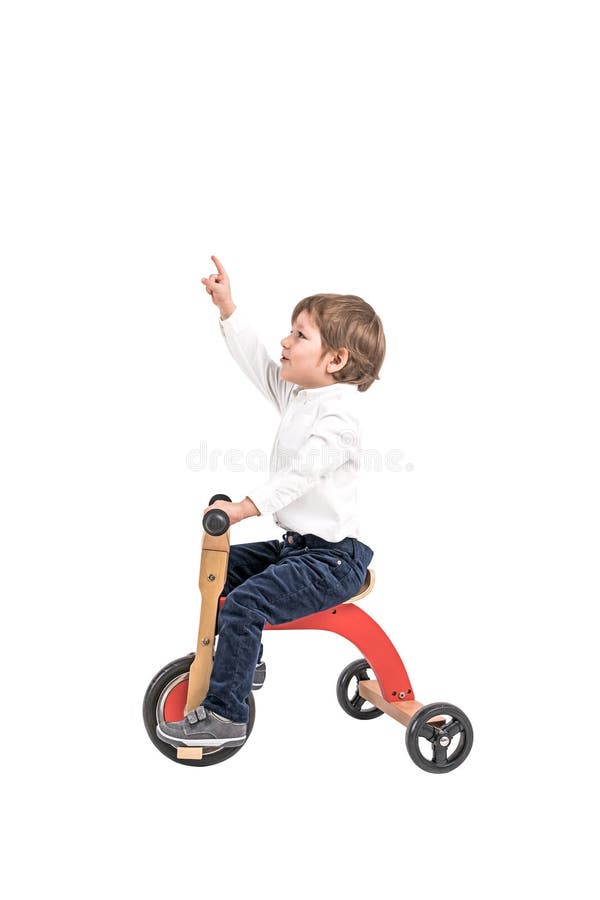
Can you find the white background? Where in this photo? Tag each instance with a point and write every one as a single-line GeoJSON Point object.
{"type": "Point", "coordinates": [438, 159]}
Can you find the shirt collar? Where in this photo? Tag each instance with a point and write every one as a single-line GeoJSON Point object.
{"type": "Point", "coordinates": [308, 393]}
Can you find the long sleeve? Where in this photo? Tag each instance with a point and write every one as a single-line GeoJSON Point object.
{"type": "Point", "coordinates": [253, 359]}
{"type": "Point", "coordinates": [333, 443]}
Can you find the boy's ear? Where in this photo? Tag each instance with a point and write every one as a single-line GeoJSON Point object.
{"type": "Point", "coordinates": [340, 359]}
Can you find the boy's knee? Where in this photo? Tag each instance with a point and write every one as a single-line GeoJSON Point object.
{"type": "Point", "coordinates": [240, 604]}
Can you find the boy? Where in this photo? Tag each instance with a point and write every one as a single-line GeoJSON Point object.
{"type": "Point", "coordinates": [335, 349]}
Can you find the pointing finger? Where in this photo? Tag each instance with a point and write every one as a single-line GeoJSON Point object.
{"type": "Point", "coordinates": [220, 268]}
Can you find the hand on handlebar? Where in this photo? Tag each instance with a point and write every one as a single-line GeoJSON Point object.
{"type": "Point", "coordinates": [236, 511]}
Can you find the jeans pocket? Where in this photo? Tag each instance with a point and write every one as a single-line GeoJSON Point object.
{"type": "Point", "coordinates": [334, 563]}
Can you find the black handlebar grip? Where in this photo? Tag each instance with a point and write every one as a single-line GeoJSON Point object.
{"type": "Point", "coordinates": [219, 497]}
{"type": "Point", "coordinates": [215, 521]}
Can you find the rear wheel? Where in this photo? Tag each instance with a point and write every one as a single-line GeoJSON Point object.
{"type": "Point", "coordinates": [439, 737]}
{"type": "Point", "coordinates": [165, 701]}
{"type": "Point", "coordinates": [347, 691]}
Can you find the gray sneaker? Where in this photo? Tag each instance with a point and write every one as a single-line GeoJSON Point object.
{"type": "Point", "coordinates": [260, 673]}
{"type": "Point", "coordinates": [202, 728]}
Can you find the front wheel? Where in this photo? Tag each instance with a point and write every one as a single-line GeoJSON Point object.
{"type": "Point", "coordinates": [165, 701]}
{"type": "Point", "coordinates": [439, 737]}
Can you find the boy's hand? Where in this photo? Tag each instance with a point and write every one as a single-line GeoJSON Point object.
{"type": "Point", "coordinates": [235, 511]}
{"type": "Point", "coordinates": [219, 288]}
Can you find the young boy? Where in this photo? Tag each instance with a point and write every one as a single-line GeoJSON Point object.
{"type": "Point", "coordinates": [335, 349]}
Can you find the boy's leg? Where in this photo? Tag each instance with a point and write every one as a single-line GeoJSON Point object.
{"type": "Point", "coordinates": [310, 575]}
{"type": "Point", "coordinates": [246, 560]}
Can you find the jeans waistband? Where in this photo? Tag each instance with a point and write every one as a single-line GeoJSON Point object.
{"type": "Point", "coordinates": [294, 539]}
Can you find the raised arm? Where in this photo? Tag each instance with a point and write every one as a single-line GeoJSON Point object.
{"type": "Point", "coordinates": [244, 344]}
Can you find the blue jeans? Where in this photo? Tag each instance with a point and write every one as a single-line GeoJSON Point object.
{"type": "Point", "coordinates": [275, 582]}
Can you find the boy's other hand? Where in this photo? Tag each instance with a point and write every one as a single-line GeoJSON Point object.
{"type": "Point", "coordinates": [235, 511]}
{"type": "Point", "coordinates": [219, 288]}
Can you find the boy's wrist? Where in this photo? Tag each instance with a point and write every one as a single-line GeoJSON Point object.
{"type": "Point", "coordinates": [226, 309]}
{"type": "Point", "coordinates": [249, 508]}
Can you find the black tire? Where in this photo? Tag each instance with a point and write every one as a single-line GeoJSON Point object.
{"type": "Point", "coordinates": [447, 745]}
{"type": "Point", "coordinates": [158, 690]}
{"type": "Point", "coordinates": [352, 703]}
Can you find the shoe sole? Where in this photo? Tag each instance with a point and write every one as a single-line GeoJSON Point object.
{"type": "Point", "coordinates": [207, 742]}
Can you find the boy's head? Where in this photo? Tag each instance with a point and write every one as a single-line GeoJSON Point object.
{"type": "Point", "coordinates": [334, 338]}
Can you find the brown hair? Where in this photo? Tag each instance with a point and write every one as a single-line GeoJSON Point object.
{"type": "Point", "coordinates": [345, 320]}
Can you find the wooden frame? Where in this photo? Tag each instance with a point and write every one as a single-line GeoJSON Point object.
{"type": "Point", "coordinates": [401, 710]}
{"type": "Point", "coordinates": [214, 558]}
{"type": "Point", "coordinates": [213, 573]}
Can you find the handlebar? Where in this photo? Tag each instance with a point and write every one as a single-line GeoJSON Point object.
{"type": "Point", "coordinates": [216, 521]}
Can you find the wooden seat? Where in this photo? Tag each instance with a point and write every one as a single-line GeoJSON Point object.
{"type": "Point", "coordinates": [365, 589]}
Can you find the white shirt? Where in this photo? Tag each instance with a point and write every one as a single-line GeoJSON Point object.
{"type": "Point", "coordinates": [315, 460]}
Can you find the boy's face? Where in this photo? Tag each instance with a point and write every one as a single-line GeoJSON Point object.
{"type": "Point", "coordinates": [302, 361]}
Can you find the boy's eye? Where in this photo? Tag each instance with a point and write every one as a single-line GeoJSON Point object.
{"type": "Point", "coordinates": [300, 333]}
